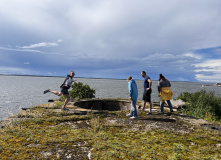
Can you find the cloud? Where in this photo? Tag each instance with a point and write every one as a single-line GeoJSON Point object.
{"type": "Point", "coordinates": [26, 63]}
{"type": "Point", "coordinates": [43, 44]}
{"type": "Point", "coordinates": [210, 64]}
{"type": "Point", "coordinates": [31, 47]}
{"type": "Point", "coordinates": [20, 49]}
{"type": "Point", "coordinates": [208, 69]}
{"type": "Point", "coordinates": [13, 70]}
{"type": "Point", "coordinates": [208, 78]}
{"type": "Point", "coordinates": [193, 55]}
{"type": "Point", "coordinates": [112, 39]}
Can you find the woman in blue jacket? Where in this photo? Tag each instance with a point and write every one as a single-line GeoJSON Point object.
{"type": "Point", "coordinates": [132, 86]}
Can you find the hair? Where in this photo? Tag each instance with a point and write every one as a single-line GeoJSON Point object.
{"type": "Point", "coordinates": [129, 78]}
{"type": "Point", "coordinates": [71, 72]}
{"type": "Point", "coordinates": [144, 72]}
{"type": "Point", "coordinates": [162, 77]}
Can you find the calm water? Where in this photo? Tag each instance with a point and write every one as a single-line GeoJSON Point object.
{"type": "Point", "coordinates": [25, 91]}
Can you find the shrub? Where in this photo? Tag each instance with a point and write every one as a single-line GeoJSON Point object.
{"type": "Point", "coordinates": [202, 103]}
{"type": "Point", "coordinates": [80, 91]}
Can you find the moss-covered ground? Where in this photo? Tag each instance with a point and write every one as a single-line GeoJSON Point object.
{"type": "Point", "coordinates": [44, 132]}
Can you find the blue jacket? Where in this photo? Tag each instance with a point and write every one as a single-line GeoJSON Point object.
{"type": "Point", "coordinates": [132, 86]}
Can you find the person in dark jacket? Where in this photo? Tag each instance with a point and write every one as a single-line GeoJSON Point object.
{"type": "Point", "coordinates": [165, 93]}
{"type": "Point", "coordinates": [133, 93]}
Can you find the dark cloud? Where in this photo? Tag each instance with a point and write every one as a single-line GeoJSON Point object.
{"type": "Point", "coordinates": [111, 39]}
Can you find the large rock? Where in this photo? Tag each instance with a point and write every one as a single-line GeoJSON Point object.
{"type": "Point", "coordinates": [178, 103]}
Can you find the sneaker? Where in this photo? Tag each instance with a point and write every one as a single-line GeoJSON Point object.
{"type": "Point", "coordinates": [149, 113]}
{"type": "Point", "coordinates": [65, 109]}
{"type": "Point", "coordinates": [46, 91]}
{"type": "Point", "coordinates": [161, 112]}
{"type": "Point", "coordinates": [171, 111]}
{"type": "Point", "coordinates": [128, 115]}
{"type": "Point", "coordinates": [133, 117]}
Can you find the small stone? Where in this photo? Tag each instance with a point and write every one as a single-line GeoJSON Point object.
{"type": "Point", "coordinates": [193, 143]}
{"type": "Point", "coordinates": [46, 154]}
{"type": "Point", "coordinates": [218, 145]}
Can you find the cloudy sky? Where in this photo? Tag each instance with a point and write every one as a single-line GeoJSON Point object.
{"type": "Point", "coordinates": [112, 38]}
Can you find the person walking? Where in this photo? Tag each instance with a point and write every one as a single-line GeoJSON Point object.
{"type": "Point", "coordinates": [64, 89]}
{"type": "Point", "coordinates": [165, 92]}
{"type": "Point", "coordinates": [147, 91]}
{"type": "Point", "coordinates": [133, 93]}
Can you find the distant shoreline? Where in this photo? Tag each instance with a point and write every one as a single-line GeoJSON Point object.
{"type": "Point", "coordinates": [90, 78]}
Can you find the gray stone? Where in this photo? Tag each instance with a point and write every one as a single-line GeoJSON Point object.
{"type": "Point", "coordinates": [178, 103]}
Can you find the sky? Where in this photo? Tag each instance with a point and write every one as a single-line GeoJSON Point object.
{"type": "Point", "coordinates": [112, 38]}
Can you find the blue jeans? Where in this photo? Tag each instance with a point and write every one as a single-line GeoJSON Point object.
{"type": "Point", "coordinates": [133, 110]}
{"type": "Point", "coordinates": [162, 105]}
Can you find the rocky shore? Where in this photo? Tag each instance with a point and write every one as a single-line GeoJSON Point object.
{"type": "Point", "coordinates": [47, 132]}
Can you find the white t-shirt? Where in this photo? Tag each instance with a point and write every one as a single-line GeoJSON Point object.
{"type": "Point", "coordinates": [69, 82]}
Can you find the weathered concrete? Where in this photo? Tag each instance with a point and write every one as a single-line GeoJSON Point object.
{"type": "Point", "coordinates": [110, 105]}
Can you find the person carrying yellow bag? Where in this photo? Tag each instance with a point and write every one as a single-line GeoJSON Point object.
{"type": "Point", "coordinates": [165, 93]}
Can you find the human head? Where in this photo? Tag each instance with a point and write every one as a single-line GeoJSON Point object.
{"type": "Point", "coordinates": [129, 78]}
{"type": "Point", "coordinates": [143, 74]}
{"type": "Point", "coordinates": [161, 77]}
{"type": "Point", "coordinates": [72, 74]}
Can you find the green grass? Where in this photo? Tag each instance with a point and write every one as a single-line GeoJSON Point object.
{"type": "Point", "coordinates": [49, 135]}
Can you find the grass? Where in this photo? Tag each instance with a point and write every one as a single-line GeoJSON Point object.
{"type": "Point", "coordinates": [49, 135]}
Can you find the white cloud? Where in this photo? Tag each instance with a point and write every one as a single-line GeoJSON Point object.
{"type": "Point", "coordinates": [20, 49]}
{"type": "Point", "coordinates": [209, 78]}
{"type": "Point", "coordinates": [26, 63]}
{"type": "Point", "coordinates": [210, 64]}
{"type": "Point", "coordinates": [60, 40]}
{"type": "Point", "coordinates": [193, 55]}
{"type": "Point", "coordinates": [209, 70]}
{"type": "Point", "coordinates": [43, 44]}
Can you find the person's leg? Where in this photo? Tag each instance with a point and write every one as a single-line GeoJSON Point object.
{"type": "Point", "coordinates": [134, 109]}
{"type": "Point", "coordinates": [144, 104]}
{"type": "Point", "coordinates": [56, 93]}
{"type": "Point", "coordinates": [150, 107]}
{"type": "Point", "coordinates": [144, 100]}
{"type": "Point", "coordinates": [162, 106]}
{"type": "Point", "coordinates": [66, 100]}
{"type": "Point", "coordinates": [131, 112]}
{"type": "Point", "coordinates": [170, 105]}
{"type": "Point", "coordinates": [149, 103]}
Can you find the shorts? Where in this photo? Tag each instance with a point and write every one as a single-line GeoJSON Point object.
{"type": "Point", "coordinates": [147, 96]}
{"type": "Point", "coordinates": [64, 91]}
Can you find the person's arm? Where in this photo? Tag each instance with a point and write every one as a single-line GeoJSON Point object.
{"type": "Point", "coordinates": [150, 84]}
{"type": "Point", "coordinates": [130, 89]}
{"type": "Point", "coordinates": [159, 87]}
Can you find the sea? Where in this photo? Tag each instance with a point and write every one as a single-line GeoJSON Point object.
{"type": "Point", "coordinates": [19, 92]}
